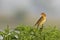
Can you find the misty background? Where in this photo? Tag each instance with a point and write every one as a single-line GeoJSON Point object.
{"type": "Point", "coordinates": [14, 12]}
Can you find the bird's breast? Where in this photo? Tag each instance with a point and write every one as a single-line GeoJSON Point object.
{"type": "Point", "coordinates": [43, 21]}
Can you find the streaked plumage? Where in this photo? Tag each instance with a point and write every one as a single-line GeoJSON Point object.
{"type": "Point", "coordinates": [42, 20]}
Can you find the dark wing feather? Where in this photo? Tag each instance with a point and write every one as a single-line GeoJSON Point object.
{"type": "Point", "coordinates": [41, 18]}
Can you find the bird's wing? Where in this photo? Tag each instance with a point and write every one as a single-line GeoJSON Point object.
{"type": "Point", "coordinates": [41, 18]}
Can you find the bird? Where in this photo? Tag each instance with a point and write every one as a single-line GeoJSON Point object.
{"type": "Point", "coordinates": [41, 20]}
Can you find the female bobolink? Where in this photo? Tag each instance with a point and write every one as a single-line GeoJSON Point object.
{"type": "Point", "coordinates": [42, 20]}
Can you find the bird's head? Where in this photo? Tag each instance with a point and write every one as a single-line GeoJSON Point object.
{"type": "Point", "coordinates": [43, 14]}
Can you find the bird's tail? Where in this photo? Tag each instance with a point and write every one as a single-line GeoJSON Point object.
{"type": "Point", "coordinates": [35, 24]}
